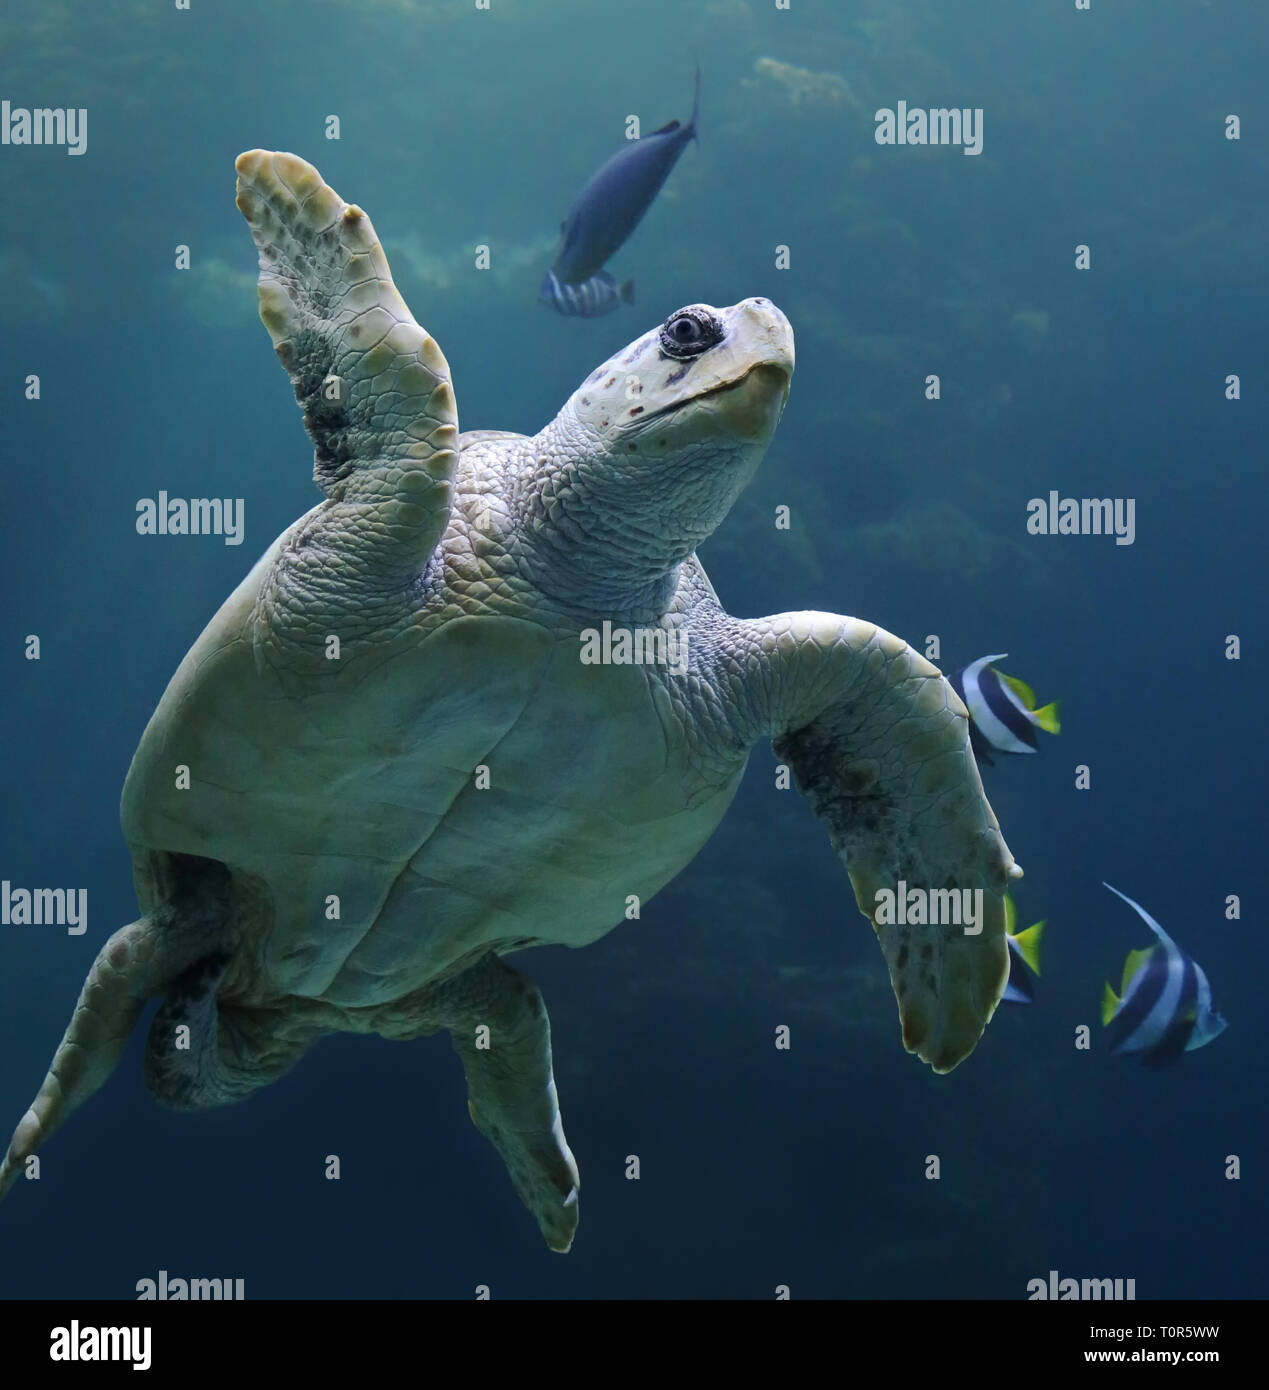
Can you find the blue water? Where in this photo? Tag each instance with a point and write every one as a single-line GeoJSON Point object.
{"type": "Point", "coordinates": [461, 127]}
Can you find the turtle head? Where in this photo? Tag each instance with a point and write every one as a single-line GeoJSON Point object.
{"type": "Point", "coordinates": [705, 381]}
{"type": "Point", "coordinates": [651, 451]}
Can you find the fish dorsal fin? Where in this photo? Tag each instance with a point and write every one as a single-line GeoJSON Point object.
{"type": "Point", "coordinates": [668, 129]}
{"type": "Point", "coordinates": [1110, 1003]}
{"type": "Point", "coordinates": [1020, 688]}
{"type": "Point", "coordinates": [1028, 943]}
{"type": "Point", "coordinates": [1143, 914]}
{"type": "Point", "coordinates": [1011, 915]}
{"type": "Point", "coordinates": [974, 669]}
{"type": "Point", "coordinates": [1136, 960]}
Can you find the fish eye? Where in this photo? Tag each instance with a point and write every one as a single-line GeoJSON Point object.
{"type": "Point", "coordinates": [690, 332]}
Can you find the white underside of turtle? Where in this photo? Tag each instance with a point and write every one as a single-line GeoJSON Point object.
{"type": "Point", "coordinates": [385, 763]}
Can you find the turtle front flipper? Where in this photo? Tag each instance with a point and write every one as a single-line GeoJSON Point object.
{"type": "Point", "coordinates": [497, 1021]}
{"type": "Point", "coordinates": [374, 386]}
{"type": "Point", "coordinates": [878, 743]}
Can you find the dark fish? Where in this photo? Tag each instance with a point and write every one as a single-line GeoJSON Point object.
{"type": "Point", "coordinates": [1164, 1006]}
{"type": "Point", "coordinates": [599, 295]}
{"type": "Point", "coordinates": [1002, 713]}
{"type": "Point", "coordinates": [611, 205]}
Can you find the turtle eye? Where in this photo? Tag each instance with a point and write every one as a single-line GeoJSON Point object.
{"type": "Point", "coordinates": [690, 332]}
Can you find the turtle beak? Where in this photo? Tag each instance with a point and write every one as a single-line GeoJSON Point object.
{"type": "Point", "coordinates": [768, 337]}
{"type": "Point", "coordinates": [769, 331]}
{"type": "Point", "coordinates": [750, 408]}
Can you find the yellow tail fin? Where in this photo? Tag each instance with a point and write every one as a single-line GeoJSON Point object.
{"type": "Point", "coordinates": [1047, 718]}
{"type": "Point", "coordinates": [1028, 943]}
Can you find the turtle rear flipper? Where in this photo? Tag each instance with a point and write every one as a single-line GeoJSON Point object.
{"type": "Point", "coordinates": [374, 386]}
{"type": "Point", "coordinates": [497, 1021]}
{"type": "Point", "coordinates": [512, 1098]}
{"type": "Point", "coordinates": [111, 1001]}
{"type": "Point", "coordinates": [176, 952]}
{"type": "Point", "coordinates": [199, 1053]}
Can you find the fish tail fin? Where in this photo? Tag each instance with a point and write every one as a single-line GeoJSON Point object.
{"type": "Point", "coordinates": [1047, 718]}
{"type": "Point", "coordinates": [1110, 1002]}
{"type": "Point", "coordinates": [696, 107]}
{"type": "Point", "coordinates": [1028, 943]}
{"type": "Point", "coordinates": [627, 292]}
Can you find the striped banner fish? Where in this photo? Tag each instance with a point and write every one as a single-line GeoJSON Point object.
{"type": "Point", "coordinates": [599, 295]}
{"type": "Point", "coordinates": [1002, 713]}
{"type": "Point", "coordinates": [1164, 1005]}
{"type": "Point", "coordinates": [1024, 956]}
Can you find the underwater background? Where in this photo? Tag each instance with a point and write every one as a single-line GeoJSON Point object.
{"type": "Point", "coordinates": [461, 127]}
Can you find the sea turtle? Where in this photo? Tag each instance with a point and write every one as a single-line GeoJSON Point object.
{"type": "Point", "coordinates": [483, 697]}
